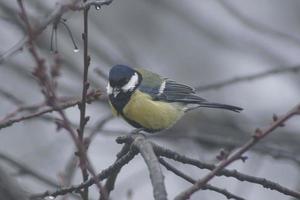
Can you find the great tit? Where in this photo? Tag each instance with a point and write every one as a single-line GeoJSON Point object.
{"type": "Point", "coordinates": [151, 102]}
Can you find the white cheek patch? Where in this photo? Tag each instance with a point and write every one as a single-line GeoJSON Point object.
{"type": "Point", "coordinates": [109, 89]}
{"type": "Point", "coordinates": [131, 83]}
{"type": "Point", "coordinates": [162, 87]}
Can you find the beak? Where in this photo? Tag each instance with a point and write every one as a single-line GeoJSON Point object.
{"type": "Point", "coordinates": [115, 92]}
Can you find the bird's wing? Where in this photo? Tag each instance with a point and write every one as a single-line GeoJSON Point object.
{"type": "Point", "coordinates": [151, 82]}
{"type": "Point", "coordinates": [165, 89]}
{"type": "Point", "coordinates": [178, 92]}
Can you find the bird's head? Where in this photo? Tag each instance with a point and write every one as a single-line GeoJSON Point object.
{"type": "Point", "coordinates": [123, 80]}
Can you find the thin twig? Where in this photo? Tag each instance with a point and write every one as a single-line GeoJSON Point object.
{"type": "Point", "coordinates": [82, 106]}
{"type": "Point", "coordinates": [110, 182]}
{"type": "Point", "coordinates": [258, 135]}
{"type": "Point", "coordinates": [160, 151]}
{"type": "Point", "coordinates": [92, 96]}
{"type": "Point", "coordinates": [101, 74]}
{"type": "Point", "coordinates": [102, 175]}
{"type": "Point", "coordinates": [68, 174]}
{"type": "Point", "coordinates": [56, 13]}
{"type": "Point", "coordinates": [224, 192]}
{"type": "Point", "coordinates": [10, 189]}
{"type": "Point", "coordinates": [24, 169]}
{"type": "Point", "coordinates": [33, 108]}
{"type": "Point", "coordinates": [12, 98]}
{"type": "Point", "coordinates": [99, 126]}
{"type": "Point", "coordinates": [48, 89]}
{"type": "Point", "coordinates": [242, 79]}
{"type": "Point", "coordinates": [257, 25]}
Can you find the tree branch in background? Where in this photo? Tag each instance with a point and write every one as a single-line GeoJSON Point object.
{"type": "Point", "coordinates": [67, 175]}
{"type": "Point", "coordinates": [27, 170]}
{"type": "Point", "coordinates": [12, 98]}
{"type": "Point", "coordinates": [53, 17]}
{"type": "Point", "coordinates": [186, 177]}
{"type": "Point", "coordinates": [160, 151]}
{"type": "Point", "coordinates": [128, 152]}
{"type": "Point", "coordinates": [110, 182]}
{"type": "Point", "coordinates": [9, 189]}
{"type": "Point", "coordinates": [258, 135]}
{"type": "Point", "coordinates": [133, 144]}
{"type": "Point", "coordinates": [99, 125]}
{"type": "Point", "coordinates": [91, 96]}
{"type": "Point", "coordinates": [48, 89]}
{"type": "Point", "coordinates": [82, 106]}
{"type": "Point", "coordinates": [257, 26]}
{"type": "Point", "coordinates": [156, 175]}
{"type": "Point", "coordinates": [252, 77]}
{"type": "Point", "coordinates": [103, 75]}
{"type": "Point", "coordinates": [125, 159]}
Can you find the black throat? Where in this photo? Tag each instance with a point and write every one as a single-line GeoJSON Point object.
{"type": "Point", "coordinates": [120, 101]}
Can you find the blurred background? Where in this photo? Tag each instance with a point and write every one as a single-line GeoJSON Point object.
{"type": "Point", "coordinates": [197, 42]}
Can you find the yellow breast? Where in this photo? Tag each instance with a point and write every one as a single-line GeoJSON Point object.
{"type": "Point", "coordinates": [153, 115]}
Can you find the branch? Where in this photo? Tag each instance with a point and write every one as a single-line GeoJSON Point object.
{"type": "Point", "coordinates": [224, 192]}
{"type": "Point", "coordinates": [258, 135]}
{"type": "Point", "coordinates": [156, 176]}
{"type": "Point", "coordinates": [48, 89]}
{"type": "Point", "coordinates": [82, 106]}
{"type": "Point", "coordinates": [125, 158]}
{"type": "Point", "coordinates": [92, 96]}
{"type": "Point", "coordinates": [147, 151]}
{"type": "Point", "coordinates": [27, 170]}
{"type": "Point", "coordinates": [12, 98]}
{"type": "Point", "coordinates": [97, 3]}
{"type": "Point", "coordinates": [9, 189]}
{"type": "Point", "coordinates": [257, 26]}
{"type": "Point", "coordinates": [101, 176]}
{"type": "Point", "coordinates": [252, 77]}
{"type": "Point", "coordinates": [99, 126]}
{"type": "Point", "coordinates": [160, 151]}
{"type": "Point", "coordinates": [59, 10]}
{"type": "Point", "coordinates": [110, 183]}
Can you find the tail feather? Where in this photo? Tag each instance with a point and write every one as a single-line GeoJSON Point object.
{"type": "Point", "coordinates": [216, 105]}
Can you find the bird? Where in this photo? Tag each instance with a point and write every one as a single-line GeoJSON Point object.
{"type": "Point", "coordinates": [151, 102]}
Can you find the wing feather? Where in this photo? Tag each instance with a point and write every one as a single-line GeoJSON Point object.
{"type": "Point", "coordinates": [172, 91]}
{"type": "Point", "coordinates": [164, 89]}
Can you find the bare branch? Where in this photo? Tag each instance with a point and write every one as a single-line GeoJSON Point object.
{"type": "Point", "coordinates": [252, 77]}
{"type": "Point", "coordinates": [147, 151]}
{"type": "Point", "coordinates": [48, 89]}
{"type": "Point", "coordinates": [12, 98]}
{"type": "Point", "coordinates": [102, 175]}
{"type": "Point", "coordinates": [258, 135]}
{"type": "Point", "coordinates": [97, 3]}
{"type": "Point", "coordinates": [160, 151]}
{"type": "Point", "coordinates": [27, 170]}
{"type": "Point", "coordinates": [99, 126]}
{"type": "Point", "coordinates": [82, 106]}
{"type": "Point", "coordinates": [9, 189]}
{"type": "Point", "coordinates": [156, 176]}
{"type": "Point", "coordinates": [256, 25]}
{"type": "Point", "coordinates": [92, 96]}
{"type": "Point", "coordinates": [224, 192]}
{"type": "Point", "coordinates": [56, 13]}
{"type": "Point", "coordinates": [110, 183]}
